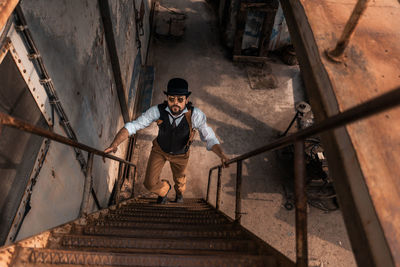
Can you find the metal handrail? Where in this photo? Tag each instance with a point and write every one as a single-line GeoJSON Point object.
{"type": "Point", "coordinates": [19, 124]}
{"type": "Point", "coordinates": [366, 109]}
{"type": "Point", "coordinates": [381, 103]}
{"type": "Point", "coordinates": [13, 122]}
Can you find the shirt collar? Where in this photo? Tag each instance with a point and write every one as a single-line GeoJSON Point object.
{"type": "Point", "coordinates": [169, 111]}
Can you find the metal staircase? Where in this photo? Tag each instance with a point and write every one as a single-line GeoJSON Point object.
{"type": "Point", "coordinates": [139, 232]}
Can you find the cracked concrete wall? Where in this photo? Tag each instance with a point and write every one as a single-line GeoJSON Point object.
{"type": "Point", "coordinates": [70, 38]}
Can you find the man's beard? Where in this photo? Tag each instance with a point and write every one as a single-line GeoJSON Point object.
{"type": "Point", "coordinates": [175, 113]}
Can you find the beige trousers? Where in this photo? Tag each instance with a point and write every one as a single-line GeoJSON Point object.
{"type": "Point", "coordinates": [155, 164]}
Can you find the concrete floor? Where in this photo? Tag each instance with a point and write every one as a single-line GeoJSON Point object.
{"type": "Point", "coordinates": [243, 119]}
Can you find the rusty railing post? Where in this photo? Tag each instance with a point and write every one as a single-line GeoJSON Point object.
{"type": "Point", "coordinates": [133, 182]}
{"type": "Point", "coordinates": [348, 31]}
{"type": "Point", "coordinates": [301, 204]}
{"type": "Point", "coordinates": [208, 185]}
{"type": "Point", "coordinates": [238, 209]}
{"type": "Point", "coordinates": [119, 182]}
{"type": "Point", "coordinates": [218, 197]}
{"type": "Point", "coordinates": [87, 187]}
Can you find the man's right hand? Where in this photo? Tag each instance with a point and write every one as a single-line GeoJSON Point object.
{"type": "Point", "coordinates": [122, 135]}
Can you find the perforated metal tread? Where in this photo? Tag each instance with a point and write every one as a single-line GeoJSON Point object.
{"type": "Point", "coordinates": [143, 233]}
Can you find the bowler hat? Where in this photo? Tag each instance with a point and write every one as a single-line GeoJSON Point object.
{"type": "Point", "coordinates": [177, 86]}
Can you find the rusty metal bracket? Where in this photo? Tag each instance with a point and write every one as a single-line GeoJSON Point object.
{"type": "Point", "coordinates": [21, 28]}
{"type": "Point", "coordinates": [33, 56]}
{"type": "Point", "coordinates": [45, 81]}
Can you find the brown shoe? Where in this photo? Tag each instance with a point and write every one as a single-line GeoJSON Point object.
{"type": "Point", "coordinates": [164, 199]}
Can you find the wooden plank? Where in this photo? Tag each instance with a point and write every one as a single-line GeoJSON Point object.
{"type": "Point", "coordinates": [365, 156]}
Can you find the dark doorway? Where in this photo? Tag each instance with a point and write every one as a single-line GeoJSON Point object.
{"type": "Point", "coordinates": [18, 150]}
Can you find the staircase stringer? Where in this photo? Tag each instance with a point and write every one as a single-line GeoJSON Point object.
{"type": "Point", "coordinates": [43, 239]}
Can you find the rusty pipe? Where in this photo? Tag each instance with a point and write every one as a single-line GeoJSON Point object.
{"type": "Point", "coordinates": [13, 122]}
{"type": "Point", "coordinates": [301, 204]}
{"type": "Point", "coordinates": [348, 30]}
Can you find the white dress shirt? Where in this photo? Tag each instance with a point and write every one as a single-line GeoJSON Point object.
{"type": "Point", "coordinates": [198, 122]}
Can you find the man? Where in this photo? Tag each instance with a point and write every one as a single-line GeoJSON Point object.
{"type": "Point", "coordinates": [178, 121]}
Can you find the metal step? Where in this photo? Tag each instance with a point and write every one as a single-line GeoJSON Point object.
{"type": "Point", "coordinates": [187, 201]}
{"type": "Point", "coordinates": [165, 214]}
{"type": "Point", "coordinates": [171, 220]}
{"type": "Point", "coordinates": [171, 209]}
{"type": "Point", "coordinates": [45, 257]}
{"type": "Point", "coordinates": [151, 233]}
{"type": "Point", "coordinates": [161, 211]}
{"type": "Point", "coordinates": [169, 205]}
{"type": "Point", "coordinates": [210, 246]}
{"type": "Point", "coordinates": [151, 225]}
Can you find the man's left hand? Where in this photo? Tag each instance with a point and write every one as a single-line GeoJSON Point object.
{"type": "Point", "coordinates": [224, 159]}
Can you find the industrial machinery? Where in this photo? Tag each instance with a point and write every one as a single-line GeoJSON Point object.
{"type": "Point", "coordinates": [320, 190]}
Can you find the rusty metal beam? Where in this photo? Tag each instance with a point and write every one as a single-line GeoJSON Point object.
{"type": "Point", "coordinates": [112, 50]}
{"type": "Point", "coordinates": [10, 121]}
{"type": "Point", "coordinates": [365, 231]}
{"type": "Point", "coordinates": [6, 9]}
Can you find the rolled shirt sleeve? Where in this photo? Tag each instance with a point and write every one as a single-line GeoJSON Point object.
{"type": "Point", "coordinates": [199, 121]}
{"type": "Point", "coordinates": [143, 121]}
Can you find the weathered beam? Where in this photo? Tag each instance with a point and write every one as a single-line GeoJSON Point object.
{"type": "Point", "coordinates": [240, 26]}
{"type": "Point", "coordinates": [363, 226]}
{"type": "Point", "coordinates": [6, 9]}
{"type": "Point", "coordinates": [112, 50]}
